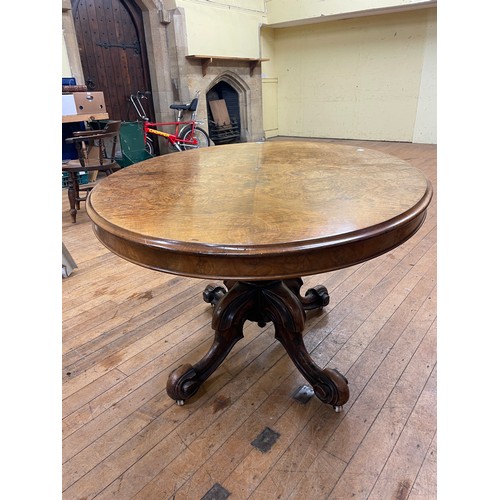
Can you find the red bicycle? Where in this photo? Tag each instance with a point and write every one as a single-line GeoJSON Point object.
{"type": "Point", "coordinates": [187, 133]}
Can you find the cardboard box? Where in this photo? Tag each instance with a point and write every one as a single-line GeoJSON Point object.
{"type": "Point", "coordinates": [89, 102]}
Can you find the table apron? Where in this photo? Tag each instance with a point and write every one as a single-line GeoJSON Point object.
{"type": "Point", "coordinates": [255, 266]}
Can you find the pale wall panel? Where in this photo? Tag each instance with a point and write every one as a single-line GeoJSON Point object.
{"type": "Point", "coordinates": [223, 28]}
{"type": "Point", "coordinates": [270, 106]}
{"type": "Point", "coordinates": [425, 130]}
{"type": "Point", "coordinates": [298, 11]}
{"type": "Point", "coordinates": [356, 79]}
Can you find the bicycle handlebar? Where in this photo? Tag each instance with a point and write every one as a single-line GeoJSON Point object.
{"type": "Point", "coordinates": [135, 100]}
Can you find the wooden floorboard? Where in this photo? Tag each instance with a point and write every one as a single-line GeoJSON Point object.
{"type": "Point", "coordinates": [126, 327]}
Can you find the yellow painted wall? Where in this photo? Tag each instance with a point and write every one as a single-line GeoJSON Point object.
{"type": "Point", "coordinates": [358, 78]}
{"type": "Point", "coordinates": [223, 27]}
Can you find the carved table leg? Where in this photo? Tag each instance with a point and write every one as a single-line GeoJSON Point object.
{"type": "Point", "coordinates": [231, 311]}
{"type": "Point", "coordinates": [283, 306]}
{"type": "Point", "coordinates": [261, 301]}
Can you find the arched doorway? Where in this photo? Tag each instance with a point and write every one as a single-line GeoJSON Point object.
{"type": "Point", "coordinates": [111, 42]}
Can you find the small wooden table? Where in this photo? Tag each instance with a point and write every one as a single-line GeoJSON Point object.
{"type": "Point", "coordinates": [260, 216]}
{"type": "Point", "coordinates": [89, 117]}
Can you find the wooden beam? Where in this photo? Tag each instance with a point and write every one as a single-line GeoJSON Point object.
{"type": "Point", "coordinates": [206, 60]}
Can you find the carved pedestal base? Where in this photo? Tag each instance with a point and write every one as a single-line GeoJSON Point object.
{"type": "Point", "coordinates": [278, 302]}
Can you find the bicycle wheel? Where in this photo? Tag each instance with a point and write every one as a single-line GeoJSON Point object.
{"type": "Point", "coordinates": [188, 134]}
{"type": "Point", "coordinates": [149, 146]}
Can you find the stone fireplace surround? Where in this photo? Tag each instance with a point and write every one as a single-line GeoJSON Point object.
{"type": "Point", "coordinates": [248, 89]}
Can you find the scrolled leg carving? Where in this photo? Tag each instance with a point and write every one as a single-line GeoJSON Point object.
{"type": "Point", "coordinates": [332, 388]}
{"type": "Point", "coordinates": [182, 383]}
{"type": "Point", "coordinates": [213, 293]}
{"type": "Point", "coordinates": [329, 386]}
{"type": "Point", "coordinates": [314, 298]}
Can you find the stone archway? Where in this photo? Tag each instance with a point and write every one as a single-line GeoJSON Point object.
{"type": "Point", "coordinates": [230, 87]}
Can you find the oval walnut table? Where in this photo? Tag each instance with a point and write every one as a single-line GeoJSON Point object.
{"type": "Point", "coordinates": [260, 216]}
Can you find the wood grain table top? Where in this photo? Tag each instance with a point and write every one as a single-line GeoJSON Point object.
{"type": "Point", "coordinates": [257, 211]}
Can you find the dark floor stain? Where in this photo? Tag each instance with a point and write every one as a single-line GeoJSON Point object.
{"type": "Point", "coordinates": [220, 403]}
{"type": "Point", "coordinates": [100, 291]}
{"type": "Point", "coordinates": [403, 490]}
{"type": "Point", "coordinates": [143, 295]}
{"type": "Point", "coordinates": [112, 361]}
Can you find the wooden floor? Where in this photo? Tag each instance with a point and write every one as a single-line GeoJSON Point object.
{"type": "Point", "coordinates": [125, 328]}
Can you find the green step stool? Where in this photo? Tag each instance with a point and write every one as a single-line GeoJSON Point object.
{"type": "Point", "coordinates": [132, 144]}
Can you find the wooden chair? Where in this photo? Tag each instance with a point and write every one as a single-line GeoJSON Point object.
{"type": "Point", "coordinates": [96, 153]}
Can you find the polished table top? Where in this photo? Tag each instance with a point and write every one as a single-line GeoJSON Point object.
{"type": "Point", "coordinates": [259, 211]}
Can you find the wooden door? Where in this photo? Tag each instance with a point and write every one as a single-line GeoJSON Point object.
{"type": "Point", "coordinates": [112, 47]}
